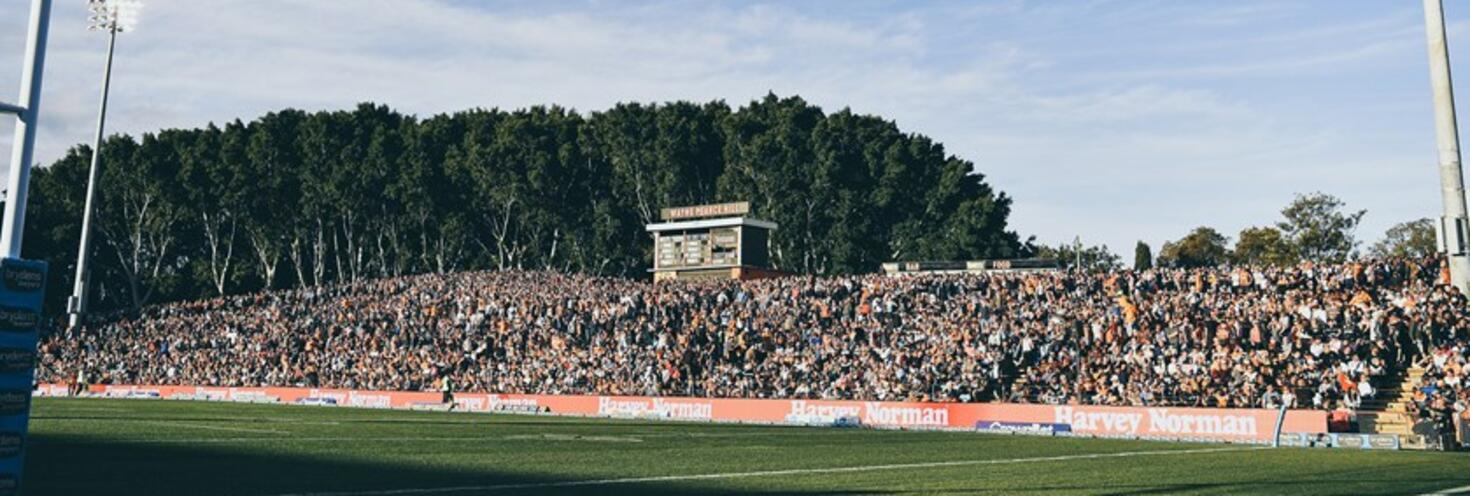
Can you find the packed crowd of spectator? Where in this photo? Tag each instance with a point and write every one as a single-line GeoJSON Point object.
{"type": "Point", "coordinates": [1443, 392]}
{"type": "Point", "coordinates": [1311, 336]}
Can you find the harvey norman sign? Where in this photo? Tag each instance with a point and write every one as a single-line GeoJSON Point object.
{"type": "Point", "coordinates": [699, 211]}
{"type": "Point", "coordinates": [1160, 422]}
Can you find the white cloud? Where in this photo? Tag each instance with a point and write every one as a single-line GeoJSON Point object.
{"type": "Point", "coordinates": [1116, 120]}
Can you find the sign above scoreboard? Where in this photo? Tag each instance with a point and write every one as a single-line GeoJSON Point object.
{"type": "Point", "coordinates": [700, 211]}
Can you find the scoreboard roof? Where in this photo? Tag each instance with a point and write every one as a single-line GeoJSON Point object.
{"type": "Point", "coordinates": [710, 223]}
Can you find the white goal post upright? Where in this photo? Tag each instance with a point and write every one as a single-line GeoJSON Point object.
{"type": "Point", "coordinates": [22, 282]}
{"type": "Point", "coordinates": [26, 112]}
{"type": "Point", "coordinates": [1280, 421]}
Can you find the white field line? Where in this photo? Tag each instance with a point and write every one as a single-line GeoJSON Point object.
{"type": "Point", "coordinates": [1453, 490]}
{"type": "Point", "coordinates": [336, 439]}
{"type": "Point", "coordinates": [632, 437]}
{"type": "Point", "coordinates": [212, 427]}
{"type": "Point", "coordinates": [266, 420]}
{"type": "Point", "coordinates": [766, 473]}
{"type": "Point", "coordinates": [95, 409]}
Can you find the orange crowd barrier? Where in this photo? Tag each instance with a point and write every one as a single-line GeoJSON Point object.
{"type": "Point", "coordinates": [1212, 424]}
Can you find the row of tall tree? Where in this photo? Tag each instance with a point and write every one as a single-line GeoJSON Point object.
{"type": "Point", "coordinates": [1314, 227]}
{"type": "Point", "coordinates": [296, 199]}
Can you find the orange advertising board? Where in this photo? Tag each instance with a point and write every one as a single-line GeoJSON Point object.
{"type": "Point", "coordinates": [1217, 424]}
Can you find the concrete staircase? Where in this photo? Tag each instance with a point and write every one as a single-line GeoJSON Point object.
{"type": "Point", "coordinates": [1388, 411]}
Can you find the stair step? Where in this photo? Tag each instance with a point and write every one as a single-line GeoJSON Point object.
{"type": "Point", "coordinates": [1370, 425]}
{"type": "Point", "coordinates": [1387, 412]}
{"type": "Point", "coordinates": [1384, 416]}
{"type": "Point", "coordinates": [1385, 427]}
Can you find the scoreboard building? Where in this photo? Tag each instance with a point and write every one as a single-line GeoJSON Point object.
{"type": "Point", "coordinates": [711, 242]}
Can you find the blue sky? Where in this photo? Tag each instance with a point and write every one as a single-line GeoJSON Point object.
{"type": "Point", "coordinates": [1113, 120]}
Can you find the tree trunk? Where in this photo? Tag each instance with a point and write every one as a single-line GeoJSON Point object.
{"type": "Point", "coordinates": [219, 264]}
{"type": "Point", "coordinates": [266, 255]}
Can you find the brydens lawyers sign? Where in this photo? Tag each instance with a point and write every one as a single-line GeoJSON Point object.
{"type": "Point", "coordinates": [24, 285]}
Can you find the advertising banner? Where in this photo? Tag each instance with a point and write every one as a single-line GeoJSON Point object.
{"type": "Point", "coordinates": [21, 292]}
{"type": "Point", "coordinates": [1207, 424]}
{"type": "Point", "coordinates": [1254, 425]}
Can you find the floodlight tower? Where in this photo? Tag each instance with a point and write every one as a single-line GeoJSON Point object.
{"type": "Point", "coordinates": [111, 17]}
{"type": "Point", "coordinates": [1452, 228]}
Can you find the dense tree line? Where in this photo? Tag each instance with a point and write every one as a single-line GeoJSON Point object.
{"type": "Point", "coordinates": [296, 199]}
{"type": "Point", "coordinates": [1314, 227]}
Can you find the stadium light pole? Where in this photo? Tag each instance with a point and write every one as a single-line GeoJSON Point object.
{"type": "Point", "coordinates": [24, 144]}
{"type": "Point", "coordinates": [112, 17]}
{"type": "Point", "coordinates": [1452, 227]}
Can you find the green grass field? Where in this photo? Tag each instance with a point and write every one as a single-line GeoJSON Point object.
{"type": "Point", "coordinates": [94, 446]}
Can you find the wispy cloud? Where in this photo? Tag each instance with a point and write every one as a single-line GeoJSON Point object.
{"type": "Point", "coordinates": [1116, 120]}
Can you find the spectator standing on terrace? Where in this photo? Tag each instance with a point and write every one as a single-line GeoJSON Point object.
{"type": "Point", "coordinates": [1271, 400]}
{"type": "Point", "coordinates": [446, 385]}
{"type": "Point", "coordinates": [1187, 337]}
{"type": "Point", "coordinates": [80, 385]}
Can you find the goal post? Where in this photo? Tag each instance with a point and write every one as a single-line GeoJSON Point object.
{"type": "Point", "coordinates": [1280, 421]}
{"type": "Point", "coordinates": [22, 282]}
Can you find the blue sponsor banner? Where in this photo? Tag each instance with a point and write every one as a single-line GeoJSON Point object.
{"type": "Point", "coordinates": [1365, 441]}
{"type": "Point", "coordinates": [22, 287]}
{"type": "Point", "coordinates": [1021, 427]}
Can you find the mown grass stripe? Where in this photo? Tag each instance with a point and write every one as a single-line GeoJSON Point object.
{"type": "Point", "coordinates": [766, 473]}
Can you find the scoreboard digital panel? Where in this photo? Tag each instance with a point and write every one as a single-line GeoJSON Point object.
{"type": "Point", "coordinates": [715, 247]}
